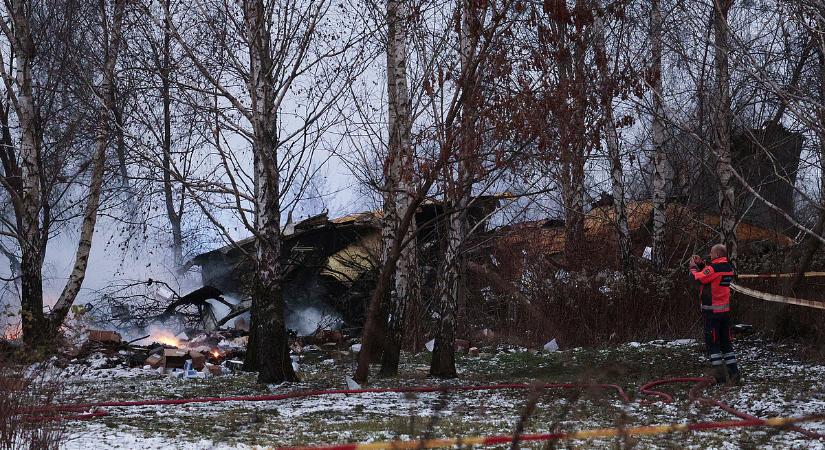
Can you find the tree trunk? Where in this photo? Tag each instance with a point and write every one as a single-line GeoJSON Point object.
{"type": "Point", "coordinates": [270, 355]}
{"type": "Point", "coordinates": [793, 262]}
{"type": "Point", "coordinates": [659, 158]}
{"type": "Point", "coordinates": [112, 38]}
{"type": "Point", "coordinates": [572, 144]}
{"type": "Point", "coordinates": [34, 324]}
{"type": "Point", "coordinates": [451, 289]}
{"type": "Point", "coordinates": [722, 125]}
{"type": "Point", "coordinates": [613, 150]}
{"type": "Point", "coordinates": [442, 364]}
{"type": "Point", "coordinates": [376, 316]}
{"type": "Point", "coordinates": [168, 191]}
{"type": "Point", "coordinates": [400, 176]}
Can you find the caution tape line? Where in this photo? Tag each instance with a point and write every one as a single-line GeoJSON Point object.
{"type": "Point", "coordinates": [573, 435]}
{"type": "Point", "coordinates": [776, 298]}
{"type": "Point", "coordinates": [780, 275]}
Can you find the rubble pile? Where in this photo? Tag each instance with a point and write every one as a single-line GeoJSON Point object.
{"type": "Point", "coordinates": [105, 354]}
{"type": "Point", "coordinates": [207, 354]}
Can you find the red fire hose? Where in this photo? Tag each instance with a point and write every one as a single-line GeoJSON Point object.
{"type": "Point", "coordinates": [693, 394]}
{"type": "Point", "coordinates": [647, 389]}
{"type": "Point", "coordinates": [302, 394]}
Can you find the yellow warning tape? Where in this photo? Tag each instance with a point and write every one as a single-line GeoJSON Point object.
{"type": "Point", "coordinates": [776, 298]}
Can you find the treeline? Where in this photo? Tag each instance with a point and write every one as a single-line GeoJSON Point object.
{"type": "Point", "coordinates": [193, 117]}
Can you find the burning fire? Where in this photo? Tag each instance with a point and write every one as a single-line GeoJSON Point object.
{"type": "Point", "coordinates": [164, 337]}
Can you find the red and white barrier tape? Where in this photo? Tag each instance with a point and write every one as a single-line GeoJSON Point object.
{"type": "Point", "coordinates": [768, 297]}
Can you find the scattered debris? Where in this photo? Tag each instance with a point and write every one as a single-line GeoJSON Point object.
{"type": "Point", "coordinates": [104, 336]}
{"type": "Point", "coordinates": [551, 346]}
{"type": "Point", "coordinates": [153, 361]}
{"type": "Point", "coordinates": [351, 384]}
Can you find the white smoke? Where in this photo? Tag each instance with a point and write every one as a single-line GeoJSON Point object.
{"type": "Point", "coordinates": [306, 320]}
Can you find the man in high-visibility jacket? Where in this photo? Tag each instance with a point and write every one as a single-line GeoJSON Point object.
{"type": "Point", "coordinates": [714, 281]}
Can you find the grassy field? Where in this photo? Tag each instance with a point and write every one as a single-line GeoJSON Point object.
{"type": "Point", "coordinates": [777, 384]}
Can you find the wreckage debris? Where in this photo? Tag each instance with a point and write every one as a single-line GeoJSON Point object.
{"type": "Point", "coordinates": [191, 354]}
{"type": "Point", "coordinates": [104, 336]}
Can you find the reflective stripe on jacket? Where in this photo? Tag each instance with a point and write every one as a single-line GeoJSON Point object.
{"type": "Point", "coordinates": [715, 279]}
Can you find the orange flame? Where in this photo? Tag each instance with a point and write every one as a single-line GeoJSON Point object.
{"type": "Point", "coordinates": [165, 337]}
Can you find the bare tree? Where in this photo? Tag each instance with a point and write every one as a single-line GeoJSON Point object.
{"type": "Point", "coordinates": [261, 55]}
{"type": "Point", "coordinates": [722, 125]}
{"type": "Point", "coordinates": [445, 93]}
{"type": "Point", "coordinates": [607, 90]}
{"type": "Point", "coordinates": [659, 158]}
{"type": "Point", "coordinates": [459, 194]}
{"type": "Point", "coordinates": [26, 181]}
{"type": "Point", "coordinates": [398, 185]}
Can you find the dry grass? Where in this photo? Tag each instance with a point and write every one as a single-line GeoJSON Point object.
{"type": "Point", "coordinates": [23, 389]}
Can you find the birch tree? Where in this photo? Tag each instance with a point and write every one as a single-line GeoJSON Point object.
{"type": "Point", "coordinates": [275, 69]}
{"type": "Point", "coordinates": [611, 137]}
{"type": "Point", "coordinates": [722, 125]}
{"type": "Point", "coordinates": [26, 168]}
{"type": "Point", "coordinates": [399, 186]}
{"type": "Point", "coordinates": [660, 168]}
{"type": "Point", "coordinates": [445, 95]}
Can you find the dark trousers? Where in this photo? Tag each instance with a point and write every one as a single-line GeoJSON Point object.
{"type": "Point", "coordinates": [719, 345]}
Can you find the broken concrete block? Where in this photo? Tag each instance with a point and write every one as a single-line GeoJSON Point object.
{"type": "Point", "coordinates": [551, 346]}
{"type": "Point", "coordinates": [154, 361]}
{"type": "Point", "coordinates": [104, 336]}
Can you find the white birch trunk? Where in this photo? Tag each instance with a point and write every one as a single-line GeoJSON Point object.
{"type": "Point", "coordinates": [28, 216]}
{"type": "Point", "coordinates": [172, 214]}
{"type": "Point", "coordinates": [398, 186]}
{"type": "Point", "coordinates": [722, 126]}
{"type": "Point", "coordinates": [660, 169]}
{"type": "Point", "coordinates": [452, 281]}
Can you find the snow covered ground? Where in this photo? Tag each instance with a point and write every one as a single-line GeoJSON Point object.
{"type": "Point", "coordinates": [777, 384]}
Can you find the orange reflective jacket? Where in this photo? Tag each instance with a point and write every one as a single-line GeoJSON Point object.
{"type": "Point", "coordinates": [715, 279]}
